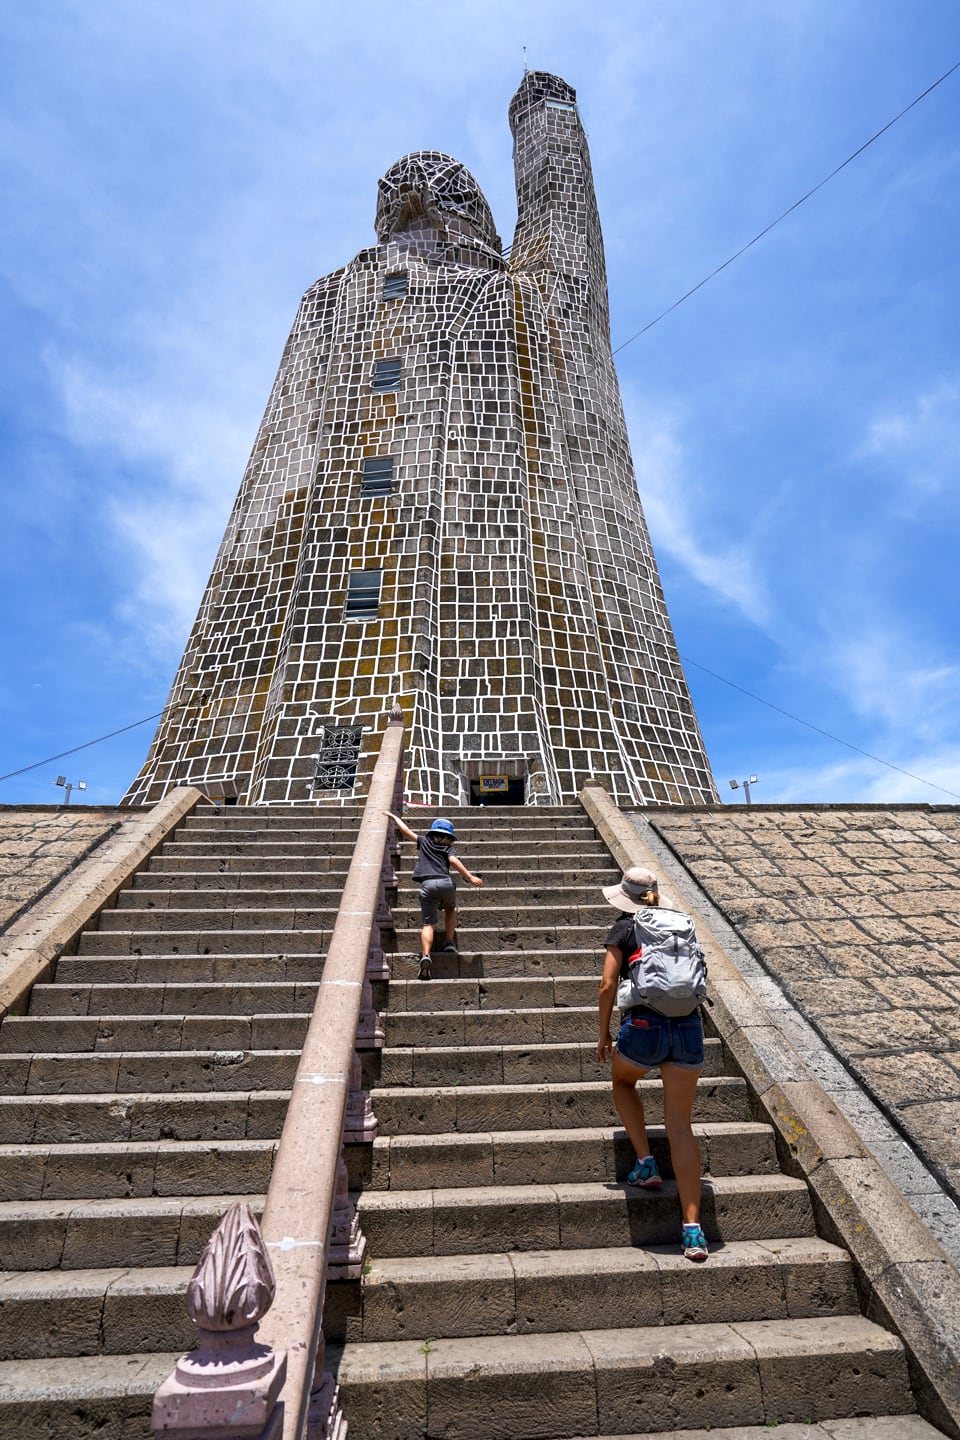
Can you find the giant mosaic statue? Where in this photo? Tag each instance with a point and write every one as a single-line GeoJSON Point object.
{"type": "Point", "coordinates": [441, 506]}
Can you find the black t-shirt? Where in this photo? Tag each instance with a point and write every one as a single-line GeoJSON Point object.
{"type": "Point", "coordinates": [620, 937]}
{"type": "Point", "coordinates": [433, 859]}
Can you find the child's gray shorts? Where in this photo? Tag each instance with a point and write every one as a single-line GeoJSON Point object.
{"type": "Point", "coordinates": [433, 895]}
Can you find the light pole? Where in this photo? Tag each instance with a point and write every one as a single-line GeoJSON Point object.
{"type": "Point", "coordinates": [735, 785]}
{"type": "Point", "coordinates": [67, 785]}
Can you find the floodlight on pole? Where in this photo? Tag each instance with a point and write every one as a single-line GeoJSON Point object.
{"type": "Point", "coordinates": [735, 785]}
{"type": "Point", "coordinates": [68, 785]}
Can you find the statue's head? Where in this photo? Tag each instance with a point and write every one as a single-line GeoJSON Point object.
{"type": "Point", "coordinates": [429, 190]}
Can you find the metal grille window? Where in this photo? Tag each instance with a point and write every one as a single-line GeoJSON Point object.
{"type": "Point", "coordinates": [396, 286]}
{"type": "Point", "coordinates": [363, 594]}
{"type": "Point", "coordinates": [376, 477]}
{"type": "Point", "coordinates": [386, 374]}
{"type": "Point", "coordinates": [337, 761]}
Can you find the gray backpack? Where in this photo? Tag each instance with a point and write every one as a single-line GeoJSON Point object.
{"type": "Point", "coordinates": [667, 969]}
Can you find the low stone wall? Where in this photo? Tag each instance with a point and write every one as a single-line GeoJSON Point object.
{"type": "Point", "coordinates": [40, 843]}
{"type": "Point", "coordinates": [855, 911]}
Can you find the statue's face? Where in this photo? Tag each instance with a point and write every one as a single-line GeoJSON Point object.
{"type": "Point", "coordinates": [429, 190]}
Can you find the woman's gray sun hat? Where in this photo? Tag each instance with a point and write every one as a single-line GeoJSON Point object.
{"type": "Point", "coordinates": [626, 895]}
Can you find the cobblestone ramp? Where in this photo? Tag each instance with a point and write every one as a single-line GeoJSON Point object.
{"type": "Point", "coordinates": [515, 1285]}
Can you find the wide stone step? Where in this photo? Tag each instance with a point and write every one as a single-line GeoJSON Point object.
{"type": "Point", "coordinates": [103, 1034]}
{"type": "Point", "coordinates": [477, 994]}
{"type": "Point", "coordinates": [476, 964]}
{"type": "Point", "coordinates": [250, 998]}
{"type": "Point", "coordinates": [865, 1427]}
{"type": "Point", "coordinates": [483, 933]}
{"type": "Point", "coordinates": [239, 819]}
{"type": "Point", "coordinates": [105, 1233]}
{"type": "Point", "coordinates": [524, 1292]}
{"type": "Point", "coordinates": [249, 918]}
{"type": "Point", "coordinates": [609, 1382]}
{"type": "Point", "coordinates": [479, 913]}
{"type": "Point", "coordinates": [186, 966]}
{"type": "Point", "coordinates": [427, 1110]}
{"type": "Point", "coordinates": [155, 881]}
{"type": "Point", "coordinates": [471, 823]}
{"type": "Point", "coordinates": [273, 899]}
{"type": "Point", "coordinates": [94, 1312]}
{"type": "Point", "coordinates": [151, 886]}
{"type": "Point", "coordinates": [517, 845]}
{"type": "Point", "coordinates": [545, 1157]}
{"type": "Point", "coordinates": [111, 1118]}
{"type": "Point", "coordinates": [489, 1026]}
{"type": "Point", "coordinates": [106, 1397]}
{"type": "Point", "coordinates": [158, 1071]}
{"type": "Point", "coordinates": [158, 1167]}
{"type": "Point", "coordinates": [196, 941]}
{"type": "Point", "coordinates": [330, 869]}
{"type": "Point", "coordinates": [506, 1064]}
{"type": "Point", "coordinates": [574, 1216]}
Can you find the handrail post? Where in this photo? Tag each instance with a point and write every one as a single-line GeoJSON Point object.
{"type": "Point", "coordinates": [301, 1200]}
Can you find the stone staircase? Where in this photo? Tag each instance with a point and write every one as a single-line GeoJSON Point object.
{"type": "Point", "coordinates": [145, 1091]}
{"type": "Point", "coordinates": [515, 1286]}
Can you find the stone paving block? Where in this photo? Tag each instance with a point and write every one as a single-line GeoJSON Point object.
{"type": "Point", "coordinates": [827, 1368]}
{"type": "Point", "coordinates": [534, 1390]}
{"type": "Point", "coordinates": [666, 1378]}
{"type": "Point", "coordinates": [384, 1387]}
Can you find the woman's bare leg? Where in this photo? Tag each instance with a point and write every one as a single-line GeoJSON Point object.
{"type": "Point", "coordinates": [629, 1105]}
{"type": "Point", "coordinates": [679, 1089]}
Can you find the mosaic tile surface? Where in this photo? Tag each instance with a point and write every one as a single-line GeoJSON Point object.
{"type": "Point", "coordinates": [441, 505]}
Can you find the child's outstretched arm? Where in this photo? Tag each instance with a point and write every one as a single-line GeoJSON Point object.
{"type": "Point", "coordinates": [461, 869]}
{"type": "Point", "coordinates": [404, 829]}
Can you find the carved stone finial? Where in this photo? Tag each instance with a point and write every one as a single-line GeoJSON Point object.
{"type": "Point", "coordinates": [396, 711]}
{"type": "Point", "coordinates": [229, 1385]}
{"type": "Point", "coordinates": [233, 1286]}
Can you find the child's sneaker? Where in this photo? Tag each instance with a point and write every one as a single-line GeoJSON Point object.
{"type": "Point", "coordinates": [424, 972]}
{"type": "Point", "coordinates": [645, 1174]}
{"type": "Point", "coordinates": [694, 1243]}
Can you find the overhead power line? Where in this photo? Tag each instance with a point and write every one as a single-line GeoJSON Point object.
{"type": "Point", "coordinates": [826, 733]}
{"type": "Point", "coordinates": [687, 659]}
{"type": "Point", "coordinates": [789, 211]}
{"type": "Point", "coordinates": [25, 770]}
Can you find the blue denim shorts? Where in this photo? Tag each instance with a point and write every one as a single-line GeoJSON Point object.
{"type": "Point", "coordinates": [648, 1039]}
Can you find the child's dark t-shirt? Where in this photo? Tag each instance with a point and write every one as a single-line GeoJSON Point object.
{"type": "Point", "coordinates": [433, 860]}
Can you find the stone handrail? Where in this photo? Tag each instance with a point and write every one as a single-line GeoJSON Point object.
{"type": "Point", "coordinates": [301, 1196]}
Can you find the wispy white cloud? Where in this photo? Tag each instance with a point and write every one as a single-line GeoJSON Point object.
{"type": "Point", "coordinates": [184, 457]}
{"type": "Point", "coordinates": [860, 780]}
{"type": "Point", "coordinates": [674, 504]}
{"type": "Point", "coordinates": [920, 442]}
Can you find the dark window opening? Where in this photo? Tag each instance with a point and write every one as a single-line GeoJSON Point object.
{"type": "Point", "coordinates": [363, 594]}
{"type": "Point", "coordinates": [386, 375]}
{"type": "Point", "coordinates": [395, 286]}
{"type": "Point", "coordinates": [376, 477]}
{"type": "Point", "coordinates": [507, 792]}
{"type": "Point", "coordinates": [337, 761]}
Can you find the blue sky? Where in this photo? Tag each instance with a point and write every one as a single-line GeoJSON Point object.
{"type": "Point", "coordinates": [178, 173]}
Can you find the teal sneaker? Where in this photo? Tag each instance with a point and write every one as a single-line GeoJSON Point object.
{"type": "Point", "coordinates": [694, 1243]}
{"type": "Point", "coordinates": [645, 1174]}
